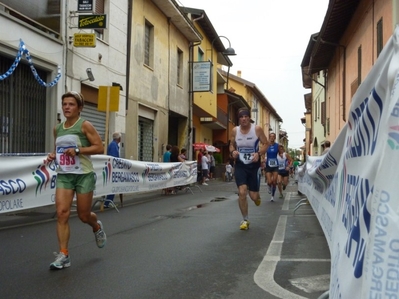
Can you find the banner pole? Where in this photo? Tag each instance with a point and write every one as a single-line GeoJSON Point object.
{"type": "Point", "coordinates": [106, 133]}
{"type": "Point", "coordinates": [107, 120]}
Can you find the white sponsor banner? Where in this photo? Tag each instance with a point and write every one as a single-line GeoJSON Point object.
{"type": "Point", "coordinates": [354, 189]}
{"type": "Point", "coordinates": [27, 182]}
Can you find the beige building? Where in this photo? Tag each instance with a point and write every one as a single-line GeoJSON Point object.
{"type": "Point", "coordinates": [48, 30]}
{"type": "Point", "coordinates": [158, 108]}
{"type": "Point", "coordinates": [314, 103]}
{"type": "Point", "coordinates": [262, 111]}
{"type": "Point", "coordinates": [352, 36]}
{"type": "Point", "coordinates": [210, 113]}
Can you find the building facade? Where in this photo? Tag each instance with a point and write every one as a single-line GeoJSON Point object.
{"type": "Point", "coordinates": [159, 107]}
{"type": "Point", "coordinates": [352, 36]}
{"type": "Point", "coordinates": [150, 50]}
{"type": "Point", "coordinates": [42, 35]}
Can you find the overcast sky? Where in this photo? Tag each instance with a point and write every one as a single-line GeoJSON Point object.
{"type": "Point", "coordinates": [270, 38]}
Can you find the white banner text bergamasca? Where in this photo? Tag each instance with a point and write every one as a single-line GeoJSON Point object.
{"type": "Point", "coordinates": [28, 182]}
{"type": "Point", "coordinates": [354, 189]}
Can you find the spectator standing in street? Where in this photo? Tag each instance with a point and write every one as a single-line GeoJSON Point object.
{"type": "Point", "coordinates": [229, 171]}
{"type": "Point", "coordinates": [246, 149]}
{"type": "Point", "coordinates": [113, 150]}
{"type": "Point", "coordinates": [205, 169]}
{"type": "Point", "coordinates": [166, 155]}
{"type": "Point", "coordinates": [199, 165]}
{"type": "Point", "coordinates": [76, 140]}
{"type": "Point", "coordinates": [232, 162]}
{"type": "Point", "coordinates": [327, 145]}
{"type": "Point", "coordinates": [212, 165]}
{"type": "Point", "coordinates": [183, 152]}
{"type": "Point", "coordinates": [174, 157]}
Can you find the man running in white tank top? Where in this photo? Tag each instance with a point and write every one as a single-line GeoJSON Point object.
{"type": "Point", "coordinates": [248, 143]}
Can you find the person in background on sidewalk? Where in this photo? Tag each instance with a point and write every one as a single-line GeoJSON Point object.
{"type": "Point", "coordinates": [174, 157]}
{"type": "Point", "coordinates": [199, 165]}
{"type": "Point", "coordinates": [113, 150]}
{"type": "Point", "coordinates": [272, 165]}
{"type": "Point", "coordinates": [229, 171]}
{"type": "Point", "coordinates": [327, 145]}
{"type": "Point", "coordinates": [246, 150]}
{"type": "Point", "coordinates": [212, 165]}
{"type": "Point", "coordinates": [205, 170]}
{"type": "Point", "coordinates": [75, 140]}
{"type": "Point", "coordinates": [166, 155]}
{"type": "Point", "coordinates": [206, 153]}
{"type": "Point", "coordinates": [232, 163]}
{"type": "Point", "coordinates": [284, 165]}
{"type": "Point", "coordinates": [183, 152]}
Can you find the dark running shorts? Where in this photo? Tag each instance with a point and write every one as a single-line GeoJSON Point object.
{"type": "Point", "coordinates": [283, 173]}
{"type": "Point", "coordinates": [271, 169]}
{"type": "Point", "coordinates": [249, 176]}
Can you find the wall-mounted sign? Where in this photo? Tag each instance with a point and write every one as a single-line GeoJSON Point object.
{"type": "Point", "coordinates": [202, 76]}
{"type": "Point", "coordinates": [85, 5]}
{"type": "Point", "coordinates": [84, 40]}
{"type": "Point", "coordinates": [108, 96]}
{"type": "Point", "coordinates": [92, 21]}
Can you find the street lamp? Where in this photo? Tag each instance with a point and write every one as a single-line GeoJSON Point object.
{"type": "Point", "coordinates": [227, 52]}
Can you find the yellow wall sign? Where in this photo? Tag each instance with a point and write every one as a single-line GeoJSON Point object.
{"type": "Point", "coordinates": [113, 98]}
{"type": "Point", "coordinates": [84, 40]}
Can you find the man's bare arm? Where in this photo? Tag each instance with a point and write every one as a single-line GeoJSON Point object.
{"type": "Point", "coordinates": [263, 139]}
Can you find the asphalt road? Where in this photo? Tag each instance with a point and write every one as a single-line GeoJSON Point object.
{"type": "Point", "coordinates": [172, 246]}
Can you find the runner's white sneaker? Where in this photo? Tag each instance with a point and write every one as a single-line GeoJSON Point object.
{"type": "Point", "coordinates": [61, 261]}
{"type": "Point", "coordinates": [101, 237]}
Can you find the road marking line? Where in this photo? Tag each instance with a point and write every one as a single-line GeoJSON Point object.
{"type": "Point", "coordinates": [312, 284]}
{"type": "Point", "coordinates": [286, 203]}
{"type": "Point", "coordinates": [305, 260]}
{"type": "Point", "coordinates": [264, 275]}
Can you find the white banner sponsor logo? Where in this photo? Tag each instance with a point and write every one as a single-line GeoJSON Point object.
{"type": "Point", "coordinates": [353, 189]}
{"type": "Point", "coordinates": [27, 182]}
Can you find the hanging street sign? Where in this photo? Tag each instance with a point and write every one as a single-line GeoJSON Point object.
{"type": "Point", "coordinates": [202, 76]}
{"type": "Point", "coordinates": [84, 40]}
{"type": "Point", "coordinates": [92, 22]}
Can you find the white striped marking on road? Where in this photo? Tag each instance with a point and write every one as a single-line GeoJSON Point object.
{"type": "Point", "coordinates": [312, 284]}
{"type": "Point", "coordinates": [264, 275]}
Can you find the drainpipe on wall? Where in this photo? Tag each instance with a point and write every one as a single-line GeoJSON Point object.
{"type": "Point", "coordinates": [343, 78]}
{"type": "Point", "coordinates": [191, 94]}
{"type": "Point", "coordinates": [191, 101]}
{"type": "Point", "coordinates": [128, 49]}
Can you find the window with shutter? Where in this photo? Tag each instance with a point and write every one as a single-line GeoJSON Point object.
{"type": "Point", "coordinates": [99, 9]}
{"type": "Point", "coordinates": [22, 110]}
{"type": "Point", "coordinates": [179, 67]}
{"type": "Point", "coordinates": [148, 44]}
{"type": "Point", "coordinates": [323, 113]}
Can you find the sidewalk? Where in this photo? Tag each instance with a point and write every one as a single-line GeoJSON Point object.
{"type": "Point", "coordinates": [47, 213]}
